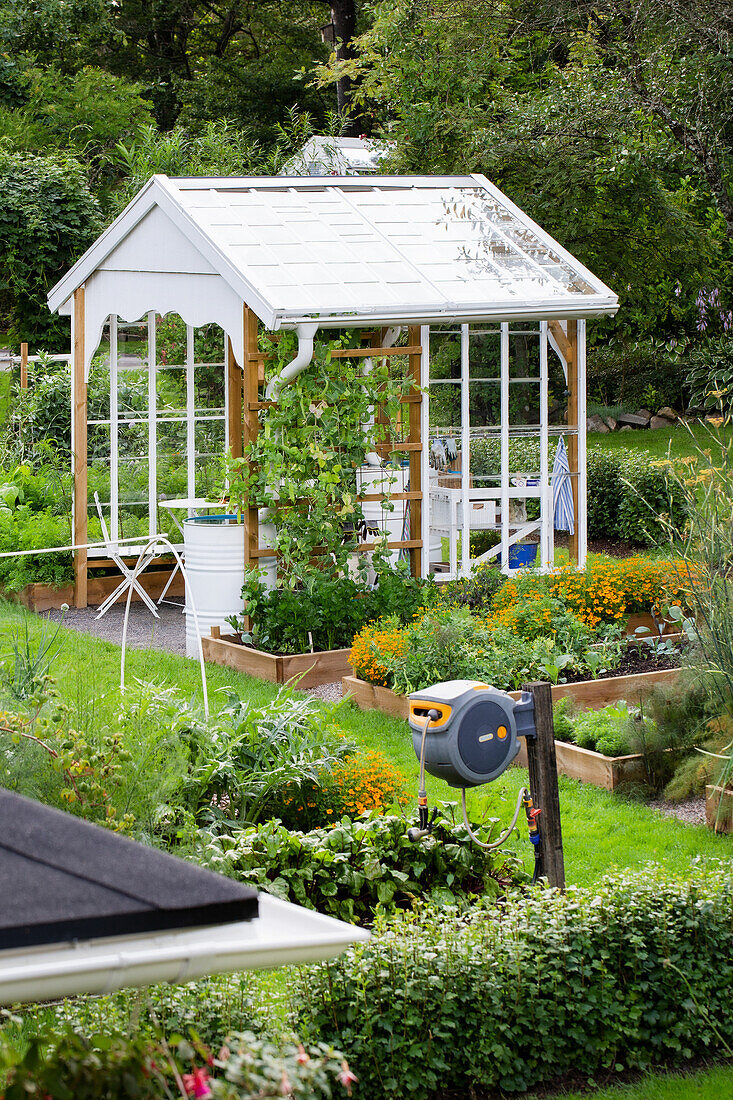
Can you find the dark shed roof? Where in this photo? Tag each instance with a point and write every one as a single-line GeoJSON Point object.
{"type": "Point", "coordinates": [62, 879]}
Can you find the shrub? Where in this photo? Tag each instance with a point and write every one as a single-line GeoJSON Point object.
{"type": "Point", "coordinates": [634, 972]}
{"type": "Point", "coordinates": [350, 869]}
{"type": "Point", "coordinates": [47, 218]}
{"type": "Point", "coordinates": [25, 529]}
{"type": "Point", "coordinates": [474, 592]}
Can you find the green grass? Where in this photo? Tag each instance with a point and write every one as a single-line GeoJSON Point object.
{"type": "Point", "coordinates": [707, 1084]}
{"type": "Point", "coordinates": [6, 384]}
{"type": "Point", "coordinates": [679, 440]}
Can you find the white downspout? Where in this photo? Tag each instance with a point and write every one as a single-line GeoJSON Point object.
{"type": "Point", "coordinates": [306, 334]}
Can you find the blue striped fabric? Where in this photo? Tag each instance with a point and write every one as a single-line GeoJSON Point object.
{"type": "Point", "coordinates": [562, 491]}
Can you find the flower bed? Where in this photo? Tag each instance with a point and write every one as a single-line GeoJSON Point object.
{"type": "Point", "coordinates": [559, 627]}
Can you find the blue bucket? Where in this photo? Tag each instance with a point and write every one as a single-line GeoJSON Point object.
{"type": "Point", "coordinates": [522, 554]}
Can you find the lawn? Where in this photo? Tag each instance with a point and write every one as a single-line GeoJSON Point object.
{"type": "Point", "coordinates": [707, 1084]}
{"type": "Point", "coordinates": [678, 440]}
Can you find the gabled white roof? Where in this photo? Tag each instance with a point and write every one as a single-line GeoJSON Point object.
{"type": "Point", "coordinates": [337, 250]}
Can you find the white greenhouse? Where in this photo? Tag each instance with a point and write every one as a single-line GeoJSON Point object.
{"type": "Point", "coordinates": [486, 309]}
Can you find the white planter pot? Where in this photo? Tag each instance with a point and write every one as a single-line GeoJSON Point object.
{"type": "Point", "coordinates": [214, 559]}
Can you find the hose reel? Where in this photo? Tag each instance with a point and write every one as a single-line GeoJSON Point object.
{"type": "Point", "coordinates": [467, 733]}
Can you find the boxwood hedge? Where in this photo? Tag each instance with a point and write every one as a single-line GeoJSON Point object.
{"type": "Point", "coordinates": [635, 972]}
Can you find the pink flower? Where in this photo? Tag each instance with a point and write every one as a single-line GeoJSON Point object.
{"type": "Point", "coordinates": [346, 1077]}
{"type": "Point", "coordinates": [225, 1054]}
{"type": "Point", "coordinates": [285, 1087]}
{"type": "Point", "coordinates": [302, 1057]}
{"type": "Point", "coordinates": [197, 1083]}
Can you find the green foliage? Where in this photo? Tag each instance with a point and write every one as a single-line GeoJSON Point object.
{"type": "Point", "coordinates": [710, 375]}
{"type": "Point", "coordinates": [210, 1008]}
{"type": "Point", "coordinates": [475, 592]}
{"type": "Point", "coordinates": [301, 468]}
{"type": "Point", "coordinates": [25, 529]}
{"type": "Point", "coordinates": [250, 756]}
{"type": "Point", "coordinates": [358, 865]}
{"type": "Point", "coordinates": [327, 611]}
{"type": "Point", "coordinates": [630, 973]}
{"type": "Point", "coordinates": [47, 218]}
{"type": "Point", "coordinates": [25, 672]}
{"type": "Point", "coordinates": [87, 112]}
{"type": "Point", "coordinates": [122, 1067]}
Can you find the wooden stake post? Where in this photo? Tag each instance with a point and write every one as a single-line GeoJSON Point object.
{"type": "Point", "coordinates": [24, 366]}
{"type": "Point", "coordinates": [543, 784]}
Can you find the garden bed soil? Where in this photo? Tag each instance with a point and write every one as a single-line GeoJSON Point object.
{"type": "Point", "coordinates": [309, 669]}
{"type": "Point", "coordinates": [607, 772]}
{"type": "Point", "coordinates": [716, 797]}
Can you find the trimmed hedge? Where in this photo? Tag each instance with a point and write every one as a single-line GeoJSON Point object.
{"type": "Point", "coordinates": [349, 870]}
{"type": "Point", "coordinates": [633, 973]}
{"type": "Point", "coordinates": [627, 491]}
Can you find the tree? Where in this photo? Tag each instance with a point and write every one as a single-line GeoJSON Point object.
{"type": "Point", "coordinates": [48, 217]}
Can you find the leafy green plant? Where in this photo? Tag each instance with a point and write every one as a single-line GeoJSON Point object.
{"type": "Point", "coordinates": [326, 610]}
{"type": "Point", "coordinates": [301, 468]}
{"type": "Point", "coordinates": [25, 672]}
{"type": "Point", "coordinates": [122, 1067]}
{"type": "Point", "coordinates": [358, 865]}
{"type": "Point", "coordinates": [434, 1004]}
{"type": "Point", "coordinates": [249, 756]}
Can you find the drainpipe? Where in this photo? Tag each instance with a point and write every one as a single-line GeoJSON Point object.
{"type": "Point", "coordinates": [306, 334]}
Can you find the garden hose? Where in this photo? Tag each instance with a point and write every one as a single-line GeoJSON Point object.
{"type": "Point", "coordinates": [425, 825]}
{"type": "Point", "coordinates": [533, 812]}
{"type": "Point", "coordinates": [521, 800]}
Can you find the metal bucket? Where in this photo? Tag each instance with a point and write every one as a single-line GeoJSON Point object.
{"type": "Point", "coordinates": [214, 559]}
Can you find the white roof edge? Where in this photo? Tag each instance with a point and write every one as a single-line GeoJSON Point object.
{"type": "Point", "coordinates": [593, 280]}
{"type": "Point", "coordinates": [547, 311]}
{"type": "Point", "coordinates": [161, 191]}
{"type": "Point", "coordinates": [282, 934]}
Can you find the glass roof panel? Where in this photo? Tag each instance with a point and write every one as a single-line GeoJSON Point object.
{"type": "Point", "coordinates": [335, 246]}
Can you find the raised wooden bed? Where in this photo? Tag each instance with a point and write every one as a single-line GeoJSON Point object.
{"type": "Point", "coordinates": [42, 597]}
{"type": "Point", "coordinates": [311, 669]}
{"type": "Point", "coordinates": [592, 767]}
{"type": "Point", "coordinates": [720, 822]}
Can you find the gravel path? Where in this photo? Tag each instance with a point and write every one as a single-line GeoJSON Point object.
{"type": "Point", "coordinates": [143, 630]}
{"type": "Point", "coordinates": [692, 811]}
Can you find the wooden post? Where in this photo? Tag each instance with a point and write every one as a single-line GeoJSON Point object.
{"type": "Point", "coordinates": [543, 784]}
{"type": "Point", "coordinates": [414, 436]}
{"type": "Point", "coordinates": [572, 362]}
{"type": "Point", "coordinates": [79, 399]}
{"type": "Point", "coordinates": [235, 383]}
{"type": "Point", "coordinates": [24, 366]}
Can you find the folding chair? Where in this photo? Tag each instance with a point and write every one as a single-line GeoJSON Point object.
{"type": "Point", "coordinates": [127, 572]}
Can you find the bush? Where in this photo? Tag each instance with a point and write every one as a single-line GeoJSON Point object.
{"type": "Point", "coordinates": [47, 218]}
{"type": "Point", "coordinates": [326, 611]}
{"type": "Point", "coordinates": [25, 529]}
{"type": "Point", "coordinates": [634, 972]}
{"type": "Point", "coordinates": [349, 870]}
